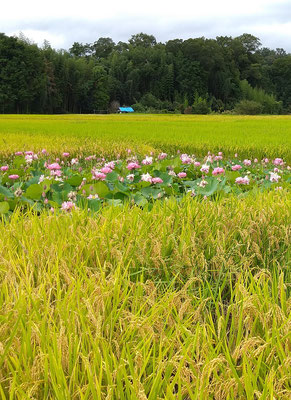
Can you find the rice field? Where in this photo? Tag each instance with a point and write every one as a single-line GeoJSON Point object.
{"type": "Point", "coordinates": [186, 299]}
{"type": "Point", "coordinates": [110, 135]}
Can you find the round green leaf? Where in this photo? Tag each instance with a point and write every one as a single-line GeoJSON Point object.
{"type": "Point", "coordinates": [99, 188]}
{"type": "Point", "coordinates": [74, 180]}
{"type": "Point", "coordinates": [4, 207]}
{"type": "Point", "coordinates": [34, 191]}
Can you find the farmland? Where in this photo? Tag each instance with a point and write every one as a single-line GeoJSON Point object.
{"type": "Point", "coordinates": [257, 136]}
{"type": "Point", "coordinates": [144, 292]}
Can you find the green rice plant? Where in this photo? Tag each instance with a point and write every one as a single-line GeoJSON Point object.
{"type": "Point", "coordinates": [190, 238]}
{"type": "Point", "coordinates": [188, 301]}
{"type": "Point", "coordinates": [109, 135]}
{"type": "Point", "coordinates": [187, 298]}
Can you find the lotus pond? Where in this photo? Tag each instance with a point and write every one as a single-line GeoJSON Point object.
{"type": "Point", "coordinates": [39, 181]}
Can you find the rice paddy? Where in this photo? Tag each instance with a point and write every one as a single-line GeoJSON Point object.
{"type": "Point", "coordinates": [110, 135]}
{"type": "Point", "coordinates": [186, 299]}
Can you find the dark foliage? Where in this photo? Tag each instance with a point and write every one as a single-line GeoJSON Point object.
{"type": "Point", "coordinates": [195, 75]}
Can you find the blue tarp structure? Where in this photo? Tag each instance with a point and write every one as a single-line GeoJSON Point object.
{"type": "Point", "coordinates": [125, 109]}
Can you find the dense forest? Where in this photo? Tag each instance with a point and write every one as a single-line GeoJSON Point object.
{"type": "Point", "coordinates": [190, 76]}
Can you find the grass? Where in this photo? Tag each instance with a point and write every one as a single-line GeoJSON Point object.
{"type": "Point", "coordinates": [257, 136]}
{"type": "Point", "coordinates": [188, 301]}
{"type": "Point", "coordinates": [122, 306]}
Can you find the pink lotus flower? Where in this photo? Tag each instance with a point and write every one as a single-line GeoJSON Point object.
{"type": "Point", "coordinates": [147, 161]}
{"type": "Point", "coordinates": [130, 177]}
{"type": "Point", "coordinates": [242, 181]}
{"type": "Point", "coordinates": [74, 161]}
{"type": "Point", "coordinates": [4, 168]}
{"type": "Point", "coordinates": [247, 163]}
{"type": "Point", "coordinates": [56, 172]}
{"type": "Point", "coordinates": [182, 175]}
{"type": "Point", "coordinates": [54, 166]}
{"type": "Point", "coordinates": [93, 196]}
{"type": "Point", "coordinates": [28, 158]}
{"type": "Point", "coordinates": [13, 177]}
{"type": "Point", "coordinates": [106, 170]}
{"type": "Point", "coordinates": [236, 167]}
{"type": "Point", "coordinates": [110, 164]}
{"type": "Point", "coordinates": [99, 176]}
{"type": "Point", "coordinates": [274, 177]}
{"type": "Point", "coordinates": [204, 168]}
{"type": "Point", "coordinates": [66, 154]}
{"type": "Point", "coordinates": [29, 153]}
{"type": "Point", "coordinates": [218, 171]}
{"type": "Point", "coordinates": [278, 161]}
{"type": "Point", "coordinates": [162, 156]}
{"type": "Point", "coordinates": [157, 180]}
{"type": "Point", "coordinates": [185, 159]}
{"type": "Point", "coordinates": [218, 158]}
{"type": "Point", "coordinates": [68, 205]}
{"type": "Point", "coordinates": [146, 177]}
{"type": "Point", "coordinates": [197, 164]}
{"type": "Point", "coordinates": [19, 153]}
{"type": "Point", "coordinates": [133, 165]}
{"type": "Point", "coordinates": [44, 151]}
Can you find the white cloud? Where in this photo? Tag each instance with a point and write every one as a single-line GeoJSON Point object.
{"type": "Point", "coordinates": [96, 9]}
{"type": "Point", "coordinates": [64, 21]}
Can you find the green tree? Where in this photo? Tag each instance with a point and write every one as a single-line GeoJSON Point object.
{"type": "Point", "coordinates": [200, 105]}
{"type": "Point", "coordinates": [281, 76]}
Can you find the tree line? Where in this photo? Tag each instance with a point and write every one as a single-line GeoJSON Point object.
{"type": "Point", "coordinates": [190, 76]}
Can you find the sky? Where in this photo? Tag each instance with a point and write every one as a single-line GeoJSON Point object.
{"type": "Point", "coordinates": [63, 22]}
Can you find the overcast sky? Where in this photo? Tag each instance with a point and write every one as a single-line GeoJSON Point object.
{"type": "Point", "coordinates": [63, 22]}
